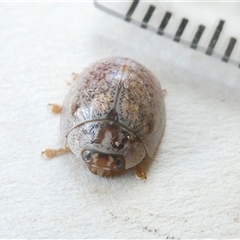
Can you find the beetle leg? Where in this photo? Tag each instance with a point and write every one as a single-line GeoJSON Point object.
{"type": "Point", "coordinates": [164, 92]}
{"type": "Point", "coordinates": [51, 153]}
{"type": "Point", "coordinates": [54, 108]}
{"type": "Point", "coordinates": [74, 76]}
{"type": "Point", "coordinates": [140, 173]}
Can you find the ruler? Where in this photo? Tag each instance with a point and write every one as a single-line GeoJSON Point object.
{"type": "Point", "coordinates": [207, 35]}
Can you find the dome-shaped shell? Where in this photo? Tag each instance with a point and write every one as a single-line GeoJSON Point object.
{"type": "Point", "coordinates": [121, 90]}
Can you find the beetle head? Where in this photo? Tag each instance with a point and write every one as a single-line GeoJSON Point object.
{"type": "Point", "coordinates": [103, 164]}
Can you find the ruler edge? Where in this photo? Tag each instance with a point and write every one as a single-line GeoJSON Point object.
{"type": "Point", "coordinates": [199, 48]}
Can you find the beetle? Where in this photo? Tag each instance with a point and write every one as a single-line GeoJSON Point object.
{"type": "Point", "coordinates": [112, 117]}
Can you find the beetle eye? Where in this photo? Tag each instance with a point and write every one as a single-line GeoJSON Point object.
{"type": "Point", "coordinates": [86, 155]}
{"type": "Point", "coordinates": [119, 163]}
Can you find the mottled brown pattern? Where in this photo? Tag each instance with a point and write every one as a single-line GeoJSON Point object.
{"type": "Point", "coordinates": [119, 137]}
{"type": "Point", "coordinates": [121, 91]}
{"type": "Point", "coordinates": [108, 138]}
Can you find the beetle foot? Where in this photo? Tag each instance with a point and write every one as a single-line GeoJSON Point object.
{"type": "Point", "coordinates": [74, 76]}
{"type": "Point", "coordinates": [140, 173]}
{"type": "Point", "coordinates": [164, 92]}
{"type": "Point", "coordinates": [51, 153]}
{"type": "Point", "coordinates": [54, 108]}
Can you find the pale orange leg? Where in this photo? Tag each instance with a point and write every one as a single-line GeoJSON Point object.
{"type": "Point", "coordinates": [51, 153]}
{"type": "Point", "coordinates": [164, 92]}
{"type": "Point", "coordinates": [74, 76]}
{"type": "Point", "coordinates": [54, 108]}
{"type": "Point", "coordinates": [140, 173]}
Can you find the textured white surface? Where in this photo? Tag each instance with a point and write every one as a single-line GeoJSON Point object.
{"type": "Point", "coordinates": [193, 186]}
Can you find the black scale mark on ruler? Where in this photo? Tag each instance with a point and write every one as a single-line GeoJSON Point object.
{"type": "Point", "coordinates": [164, 23]}
{"type": "Point", "coordinates": [215, 38]}
{"type": "Point", "coordinates": [180, 30]}
{"type": "Point", "coordinates": [229, 49]}
{"type": "Point", "coordinates": [147, 16]}
{"type": "Point", "coordinates": [197, 36]}
{"type": "Point", "coordinates": [131, 10]}
{"type": "Point", "coordinates": [178, 34]}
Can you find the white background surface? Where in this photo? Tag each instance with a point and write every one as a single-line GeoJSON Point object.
{"type": "Point", "coordinates": [193, 182]}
